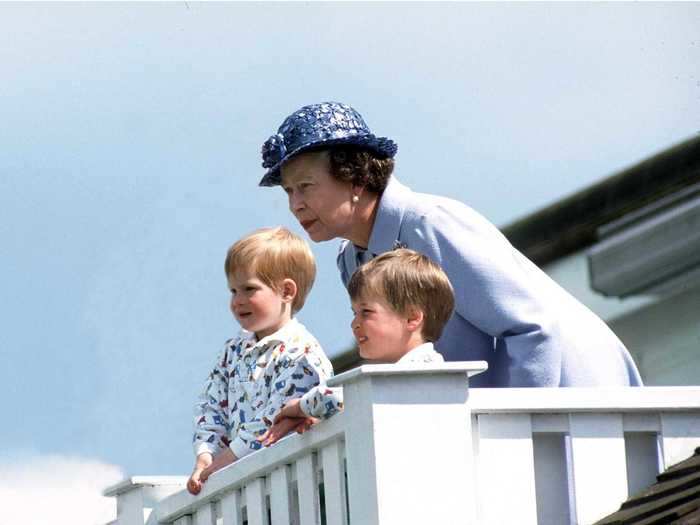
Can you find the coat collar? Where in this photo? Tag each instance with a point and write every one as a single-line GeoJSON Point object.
{"type": "Point", "coordinates": [387, 222]}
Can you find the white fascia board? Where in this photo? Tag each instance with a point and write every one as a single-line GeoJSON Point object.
{"type": "Point", "coordinates": [646, 256]}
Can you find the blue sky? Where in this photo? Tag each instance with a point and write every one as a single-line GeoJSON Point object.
{"type": "Point", "coordinates": [130, 156]}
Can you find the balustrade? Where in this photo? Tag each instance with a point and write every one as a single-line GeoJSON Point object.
{"type": "Point", "coordinates": [418, 446]}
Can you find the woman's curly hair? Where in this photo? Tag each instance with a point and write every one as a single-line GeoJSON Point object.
{"type": "Point", "coordinates": [361, 167]}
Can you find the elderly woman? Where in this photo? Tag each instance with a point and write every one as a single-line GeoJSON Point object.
{"type": "Point", "coordinates": [339, 179]}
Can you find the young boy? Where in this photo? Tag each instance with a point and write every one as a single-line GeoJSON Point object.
{"type": "Point", "coordinates": [401, 301]}
{"type": "Point", "coordinates": [274, 358]}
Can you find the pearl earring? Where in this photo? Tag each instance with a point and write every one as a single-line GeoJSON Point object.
{"type": "Point", "coordinates": [355, 199]}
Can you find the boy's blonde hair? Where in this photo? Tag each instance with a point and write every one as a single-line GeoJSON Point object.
{"type": "Point", "coordinates": [275, 254]}
{"type": "Point", "coordinates": [404, 278]}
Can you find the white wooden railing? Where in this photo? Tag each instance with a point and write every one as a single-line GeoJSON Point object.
{"type": "Point", "coordinates": [418, 446]}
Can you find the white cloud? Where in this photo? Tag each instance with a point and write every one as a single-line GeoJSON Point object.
{"type": "Point", "coordinates": [56, 489]}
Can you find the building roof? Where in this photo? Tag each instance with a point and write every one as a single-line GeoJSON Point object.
{"type": "Point", "coordinates": [571, 224]}
{"type": "Point", "coordinates": [674, 498]}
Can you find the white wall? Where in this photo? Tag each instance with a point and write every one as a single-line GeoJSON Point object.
{"type": "Point", "coordinates": [662, 333]}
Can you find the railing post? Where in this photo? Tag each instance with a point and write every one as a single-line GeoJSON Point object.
{"type": "Point", "coordinates": [137, 496]}
{"type": "Point", "coordinates": [408, 443]}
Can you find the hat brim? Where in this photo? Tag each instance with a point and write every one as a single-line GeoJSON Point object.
{"type": "Point", "coordinates": [383, 146]}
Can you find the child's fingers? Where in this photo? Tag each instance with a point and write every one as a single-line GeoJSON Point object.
{"type": "Point", "coordinates": [305, 424]}
{"type": "Point", "coordinates": [193, 486]}
{"type": "Point", "coordinates": [272, 438]}
{"type": "Point", "coordinates": [283, 426]}
{"type": "Point", "coordinates": [265, 438]}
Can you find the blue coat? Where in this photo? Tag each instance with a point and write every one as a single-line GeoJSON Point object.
{"type": "Point", "coordinates": [508, 312]}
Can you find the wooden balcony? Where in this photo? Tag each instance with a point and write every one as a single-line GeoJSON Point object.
{"type": "Point", "coordinates": [418, 446]}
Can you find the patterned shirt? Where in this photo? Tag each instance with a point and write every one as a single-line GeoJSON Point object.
{"type": "Point", "coordinates": [323, 401]}
{"type": "Point", "coordinates": [250, 383]}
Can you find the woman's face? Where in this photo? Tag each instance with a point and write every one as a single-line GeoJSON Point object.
{"type": "Point", "coordinates": [321, 203]}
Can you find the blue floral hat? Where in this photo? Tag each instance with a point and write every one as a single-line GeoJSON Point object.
{"type": "Point", "coordinates": [317, 125]}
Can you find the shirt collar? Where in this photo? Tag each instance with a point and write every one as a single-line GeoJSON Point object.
{"type": "Point", "coordinates": [285, 333]}
{"type": "Point", "coordinates": [387, 222]}
{"type": "Point", "coordinates": [417, 354]}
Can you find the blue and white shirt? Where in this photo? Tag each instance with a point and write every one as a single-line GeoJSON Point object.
{"type": "Point", "coordinates": [250, 383]}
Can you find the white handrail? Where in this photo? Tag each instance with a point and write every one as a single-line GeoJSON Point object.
{"type": "Point", "coordinates": [598, 399]}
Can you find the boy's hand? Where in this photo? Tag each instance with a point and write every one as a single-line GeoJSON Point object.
{"type": "Point", "coordinates": [283, 426]}
{"type": "Point", "coordinates": [194, 484]}
{"type": "Point", "coordinates": [224, 458]}
{"type": "Point", "coordinates": [289, 418]}
{"type": "Point", "coordinates": [290, 409]}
